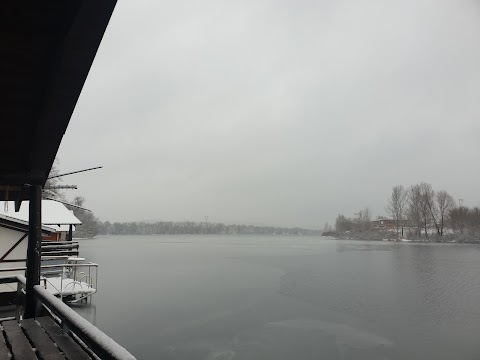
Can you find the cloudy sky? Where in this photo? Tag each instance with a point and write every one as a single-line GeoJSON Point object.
{"type": "Point", "coordinates": [277, 112]}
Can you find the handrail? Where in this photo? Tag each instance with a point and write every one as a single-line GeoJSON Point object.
{"type": "Point", "coordinates": [69, 265]}
{"type": "Point", "coordinates": [97, 341]}
{"type": "Point", "coordinates": [55, 257]}
{"type": "Point", "coordinates": [50, 242]}
{"type": "Point", "coordinates": [13, 278]}
{"type": "Point", "coordinates": [60, 246]}
{"type": "Point", "coordinates": [13, 269]}
{"type": "Point", "coordinates": [100, 343]}
{"type": "Point", "coordinates": [50, 266]}
{"type": "Point", "coordinates": [48, 252]}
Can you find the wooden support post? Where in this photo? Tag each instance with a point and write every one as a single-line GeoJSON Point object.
{"type": "Point", "coordinates": [34, 251]}
{"type": "Point", "coordinates": [70, 232]}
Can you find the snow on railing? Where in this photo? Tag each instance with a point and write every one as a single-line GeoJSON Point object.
{"type": "Point", "coordinates": [69, 281]}
{"type": "Point", "coordinates": [96, 340]}
{"type": "Point", "coordinates": [66, 280]}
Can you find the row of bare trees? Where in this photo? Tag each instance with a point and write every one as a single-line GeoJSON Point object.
{"type": "Point", "coordinates": [465, 222]}
{"type": "Point", "coordinates": [362, 221]}
{"type": "Point", "coordinates": [416, 211]}
{"type": "Point", "coordinates": [190, 227]}
{"type": "Point", "coordinates": [421, 209]}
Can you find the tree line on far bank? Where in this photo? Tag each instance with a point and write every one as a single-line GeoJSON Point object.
{"type": "Point", "coordinates": [190, 227]}
{"type": "Point", "coordinates": [417, 212]}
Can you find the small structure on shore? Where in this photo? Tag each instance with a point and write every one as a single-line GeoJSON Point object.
{"type": "Point", "coordinates": [389, 224]}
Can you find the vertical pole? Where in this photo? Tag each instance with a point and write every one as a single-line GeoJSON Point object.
{"type": "Point", "coordinates": [18, 302]}
{"type": "Point", "coordinates": [34, 250]}
{"type": "Point", "coordinates": [70, 232]}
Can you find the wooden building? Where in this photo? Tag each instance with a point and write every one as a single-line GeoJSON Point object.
{"type": "Point", "coordinates": [47, 50]}
{"type": "Point", "coordinates": [54, 215]}
{"type": "Point", "coordinates": [388, 224]}
{"type": "Point", "coordinates": [13, 244]}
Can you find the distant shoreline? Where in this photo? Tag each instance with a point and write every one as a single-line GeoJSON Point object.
{"type": "Point", "coordinates": [215, 234]}
{"type": "Point", "coordinates": [386, 236]}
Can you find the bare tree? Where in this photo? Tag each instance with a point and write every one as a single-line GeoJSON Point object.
{"type": "Point", "coordinates": [444, 204]}
{"type": "Point", "coordinates": [327, 228]}
{"type": "Point", "coordinates": [363, 220]}
{"type": "Point", "coordinates": [458, 218]}
{"type": "Point", "coordinates": [428, 197]}
{"type": "Point", "coordinates": [396, 206]}
{"type": "Point", "coordinates": [367, 219]}
{"type": "Point", "coordinates": [342, 223]}
{"type": "Point", "coordinates": [49, 188]}
{"type": "Point", "coordinates": [416, 209]}
{"type": "Point", "coordinates": [89, 227]}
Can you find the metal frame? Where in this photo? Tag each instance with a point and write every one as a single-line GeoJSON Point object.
{"type": "Point", "coordinates": [91, 279]}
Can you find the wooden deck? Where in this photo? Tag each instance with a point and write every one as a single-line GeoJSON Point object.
{"type": "Point", "coordinates": [39, 338]}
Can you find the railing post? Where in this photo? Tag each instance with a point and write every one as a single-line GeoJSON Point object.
{"type": "Point", "coordinates": [34, 251]}
{"type": "Point", "coordinates": [18, 301]}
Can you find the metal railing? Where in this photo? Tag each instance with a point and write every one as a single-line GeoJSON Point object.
{"type": "Point", "coordinates": [96, 340]}
{"type": "Point", "coordinates": [81, 280]}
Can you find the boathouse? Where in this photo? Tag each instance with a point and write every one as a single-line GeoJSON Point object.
{"type": "Point", "coordinates": [13, 245]}
{"type": "Point", "coordinates": [55, 216]}
{"type": "Point", "coordinates": [47, 50]}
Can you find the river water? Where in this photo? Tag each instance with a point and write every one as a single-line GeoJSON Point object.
{"type": "Point", "coordinates": [276, 297]}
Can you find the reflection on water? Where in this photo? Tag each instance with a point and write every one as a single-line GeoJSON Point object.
{"type": "Point", "coordinates": [245, 297]}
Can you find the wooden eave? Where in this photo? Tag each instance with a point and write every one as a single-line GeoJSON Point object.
{"type": "Point", "coordinates": [47, 50]}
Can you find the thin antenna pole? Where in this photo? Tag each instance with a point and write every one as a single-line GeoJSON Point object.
{"type": "Point", "coordinates": [60, 187]}
{"type": "Point", "coordinates": [66, 203]}
{"type": "Point", "coordinates": [74, 172]}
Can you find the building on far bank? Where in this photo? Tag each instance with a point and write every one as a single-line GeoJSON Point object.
{"type": "Point", "coordinates": [389, 224]}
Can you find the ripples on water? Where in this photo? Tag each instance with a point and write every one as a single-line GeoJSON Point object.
{"type": "Point", "coordinates": [199, 297]}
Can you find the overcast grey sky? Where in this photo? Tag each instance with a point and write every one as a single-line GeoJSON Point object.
{"type": "Point", "coordinates": [277, 112]}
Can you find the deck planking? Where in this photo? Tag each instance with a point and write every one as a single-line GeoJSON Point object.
{"type": "Point", "coordinates": [69, 347]}
{"type": "Point", "coordinates": [39, 338]}
{"type": "Point", "coordinates": [3, 349]}
{"type": "Point", "coordinates": [41, 341]}
{"type": "Point", "coordinates": [19, 344]}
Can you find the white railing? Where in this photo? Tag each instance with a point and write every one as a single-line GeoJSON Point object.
{"type": "Point", "coordinates": [72, 278]}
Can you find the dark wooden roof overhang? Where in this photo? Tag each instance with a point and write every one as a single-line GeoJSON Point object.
{"type": "Point", "coordinates": [47, 49]}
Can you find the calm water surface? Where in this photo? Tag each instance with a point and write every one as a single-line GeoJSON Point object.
{"type": "Point", "coordinates": [268, 297]}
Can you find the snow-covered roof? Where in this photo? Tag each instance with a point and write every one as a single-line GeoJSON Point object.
{"type": "Point", "coordinates": [53, 213]}
{"type": "Point", "coordinates": [48, 229]}
{"type": "Point", "coordinates": [61, 228]}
